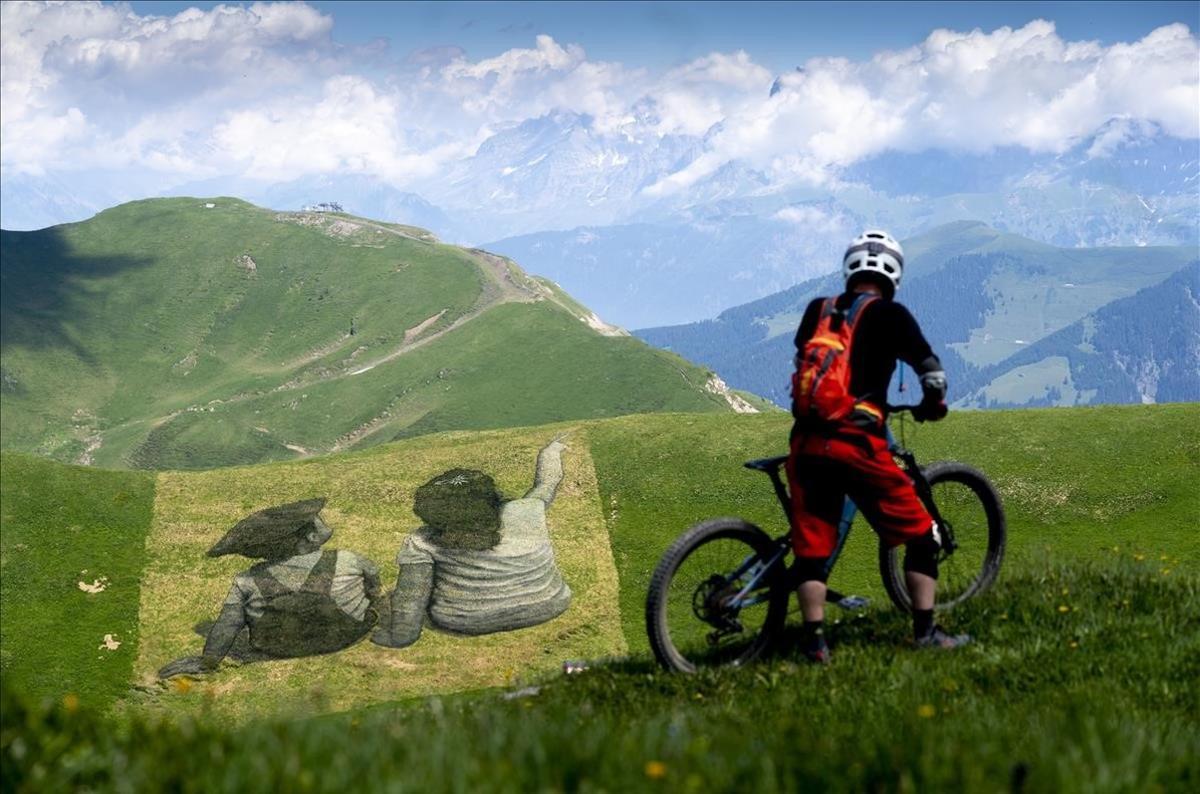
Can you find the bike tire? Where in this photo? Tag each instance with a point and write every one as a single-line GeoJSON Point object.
{"type": "Point", "coordinates": [669, 626]}
{"type": "Point", "coordinates": [976, 570]}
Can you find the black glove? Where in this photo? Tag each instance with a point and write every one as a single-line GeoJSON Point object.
{"type": "Point", "coordinates": [933, 402]}
{"type": "Point", "coordinates": [930, 411]}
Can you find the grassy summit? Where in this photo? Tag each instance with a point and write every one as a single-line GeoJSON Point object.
{"type": "Point", "coordinates": [191, 333]}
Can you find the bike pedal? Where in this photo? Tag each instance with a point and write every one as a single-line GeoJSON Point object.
{"type": "Point", "coordinates": [853, 603]}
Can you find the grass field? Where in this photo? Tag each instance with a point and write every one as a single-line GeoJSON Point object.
{"type": "Point", "coordinates": [1091, 700]}
{"type": "Point", "coordinates": [1081, 484]}
{"type": "Point", "coordinates": [1082, 677]}
{"type": "Point", "coordinates": [63, 528]}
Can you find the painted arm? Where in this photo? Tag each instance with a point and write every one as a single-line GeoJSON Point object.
{"type": "Point", "coordinates": [549, 472]}
{"type": "Point", "coordinates": [221, 636]}
{"type": "Point", "coordinates": [409, 603]}
{"type": "Point", "coordinates": [220, 639]}
{"type": "Point", "coordinates": [371, 583]}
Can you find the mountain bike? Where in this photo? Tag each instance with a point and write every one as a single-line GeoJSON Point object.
{"type": "Point", "coordinates": [720, 593]}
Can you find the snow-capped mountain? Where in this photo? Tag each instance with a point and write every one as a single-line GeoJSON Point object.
{"type": "Point", "coordinates": [555, 172]}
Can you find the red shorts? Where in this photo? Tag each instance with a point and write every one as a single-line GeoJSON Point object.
{"type": "Point", "coordinates": [822, 471]}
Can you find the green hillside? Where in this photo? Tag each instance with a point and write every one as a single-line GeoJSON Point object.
{"type": "Point", "coordinates": [72, 555]}
{"type": "Point", "coordinates": [191, 333]}
{"type": "Point", "coordinates": [1144, 347]}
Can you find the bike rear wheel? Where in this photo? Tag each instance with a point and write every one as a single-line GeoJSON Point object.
{"type": "Point", "coordinates": [972, 508]}
{"type": "Point", "coordinates": [704, 608]}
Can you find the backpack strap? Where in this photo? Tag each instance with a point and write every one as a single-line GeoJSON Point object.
{"type": "Point", "coordinates": [320, 578]}
{"type": "Point", "coordinates": [853, 315]}
{"type": "Point", "coordinates": [856, 308]}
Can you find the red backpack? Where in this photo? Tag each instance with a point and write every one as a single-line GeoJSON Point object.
{"type": "Point", "coordinates": [821, 382]}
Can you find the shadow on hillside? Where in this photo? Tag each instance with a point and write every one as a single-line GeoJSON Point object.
{"type": "Point", "coordinates": [44, 290]}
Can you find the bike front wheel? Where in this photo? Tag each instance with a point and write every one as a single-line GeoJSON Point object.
{"type": "Point", "coordinates": [717, 597]}
{"type": "Point", "coordinates": [972, 508]}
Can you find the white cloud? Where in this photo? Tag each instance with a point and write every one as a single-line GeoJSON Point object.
{"type": "Point", "coordinates": [966, 91]}
{"type": "Point", "coordinates": [264, 91]}
{"type": "Point", "coordinates": [62, 63]}
{"type": "Point", "coordinates": [813, 218]}
{"type": "Point", "coordinates": [352, 127]}
{"type": "Point", "coordinates": [548, 55]}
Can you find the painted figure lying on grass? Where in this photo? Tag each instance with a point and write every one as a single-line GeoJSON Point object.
{"type": "Point", "coordinates": [479, 565]}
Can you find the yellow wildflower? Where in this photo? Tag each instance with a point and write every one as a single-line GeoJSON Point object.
{"type": "Point", "coordinates": [70, 702]}
{"type": "Point", "coordinates": [1063, 608]}
{"type": "Point", "coordinates": [183, 686]}
{"type": "Point", "coordinates": [925, 711]}
{"type": "Point", "coordinates": [656, 770]}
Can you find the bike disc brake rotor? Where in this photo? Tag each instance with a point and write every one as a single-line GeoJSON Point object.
{"type": "Point", "coordinates": [714, 603]}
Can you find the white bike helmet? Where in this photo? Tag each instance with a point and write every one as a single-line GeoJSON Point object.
{"type": "Point", "coordinates": [874, 251]}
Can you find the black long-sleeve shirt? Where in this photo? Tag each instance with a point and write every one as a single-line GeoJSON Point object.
{"type": "Point", "coordinates": [886, 332]}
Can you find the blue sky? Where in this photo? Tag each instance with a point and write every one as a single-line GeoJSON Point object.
{"type": "Point", "coordinates": [656, 34]}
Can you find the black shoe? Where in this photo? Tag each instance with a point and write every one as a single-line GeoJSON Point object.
{"type": "Point", "coordinates": [938, 638]}
{"type": "Point", "coordinates": [817, 652]}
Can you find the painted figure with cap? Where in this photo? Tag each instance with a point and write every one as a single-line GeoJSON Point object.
{"type": "Point", "coordinates": [301, 600]}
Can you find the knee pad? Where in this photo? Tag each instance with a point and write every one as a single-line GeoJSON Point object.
{"type": "Point", "coordinates": [811, 569]}
{"type": "Point", "coordinates": [922, 554]}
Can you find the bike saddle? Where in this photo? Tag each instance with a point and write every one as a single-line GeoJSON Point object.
{"type": "Point", "coordinates": [766, 464]}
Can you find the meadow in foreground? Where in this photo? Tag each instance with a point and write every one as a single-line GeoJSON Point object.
{"type": "Point", "coordinates": [1082, 679]}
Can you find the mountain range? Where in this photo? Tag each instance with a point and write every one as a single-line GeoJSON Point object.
{"type": "Point", "coordinates": [1016, 322]}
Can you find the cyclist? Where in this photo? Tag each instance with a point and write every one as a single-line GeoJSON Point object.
{"type": "Point", "coordinates": [847, 348]}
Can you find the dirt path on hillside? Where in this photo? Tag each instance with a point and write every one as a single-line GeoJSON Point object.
{"type": "Point", "coordinates": [499, 286]}
{"type": "Point", "coordinates": [503, 282]}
